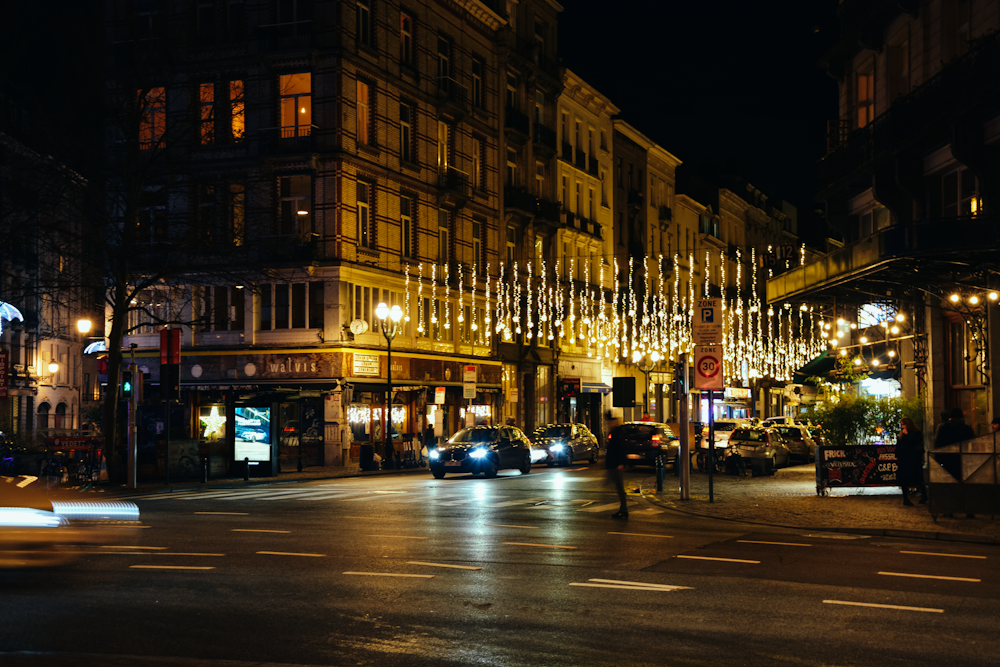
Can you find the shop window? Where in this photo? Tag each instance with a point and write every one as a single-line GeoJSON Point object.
{"type": "Point", "coordinates": [296, 104]}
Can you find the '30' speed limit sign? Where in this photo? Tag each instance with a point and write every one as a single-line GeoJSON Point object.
{"type": "Point", "coordinates": [708, 367]}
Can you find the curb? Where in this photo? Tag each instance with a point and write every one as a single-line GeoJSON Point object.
{"type": "Point", "coordinates": [874, 532]}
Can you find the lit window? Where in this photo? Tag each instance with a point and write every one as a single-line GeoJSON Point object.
{"type": "Point", "coordinates": [296, 205]}
{"type": "Point", "coordinates": [406, 226]}
{"type": "Point", "coordinates": [477, 163]}
{"type": "Point", "coordinates": [444, 149]}
{"type": "Point", "coordinates": [154, 117]}
{"type": "Point", "coordinates": [866, 98]}
{"type": "Point", "coordinates": [206, 95]}
{"type": "Point", "coordinates": [363, 113]}
{"type": "Point", "coordinates": [236, 108]}
{"type": "Point", "coordinates": [296, 105]}
{"type": "Point", "coordinates": [365, 232]}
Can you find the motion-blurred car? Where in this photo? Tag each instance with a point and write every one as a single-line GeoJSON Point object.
{"type": "Point", "coordinates": [800, 442]}
{"type": "Point", "coordinates": [644, 442]}
{"type": "Point", "coordinates": [38, 532]}
{"type": "Point", "coordinates": [565, 443]}
{"type": "Point", "coordinates": [763, 447]}
{"type": "Point", "coordinates": [482, 449]}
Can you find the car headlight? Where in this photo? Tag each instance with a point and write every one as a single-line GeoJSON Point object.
{"type": "Point", "coordinates": [25, 517]}
{"type": "Point", "coordinates": [478, 453]}
{"type": "Point", "coordinates": [434, 454]}
{"type": "Point", "coordinates": [557, 447]}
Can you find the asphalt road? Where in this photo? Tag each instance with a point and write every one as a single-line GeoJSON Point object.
{"type": "Point", "coordinates": [518, 570]}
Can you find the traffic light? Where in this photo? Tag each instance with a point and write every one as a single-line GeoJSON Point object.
{"type": "Point", "coordinates": [126, 386]}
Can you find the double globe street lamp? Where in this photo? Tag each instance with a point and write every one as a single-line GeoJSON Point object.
{"type": "Point", "coordinates": [389, 323]}
{"type": "Point", "coordinates": [653, 359]}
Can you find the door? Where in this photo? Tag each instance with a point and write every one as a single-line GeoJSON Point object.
{"type": "Point", "coordinates": [505, 453]}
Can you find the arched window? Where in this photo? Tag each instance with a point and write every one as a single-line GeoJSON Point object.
{"type": "Point", "coordinates": [43, 415]}
{"type": "Point", "coordinates": [60, 417]}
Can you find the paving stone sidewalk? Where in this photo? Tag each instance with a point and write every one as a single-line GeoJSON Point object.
{"type": "Point", "coordinates": [789, 499]}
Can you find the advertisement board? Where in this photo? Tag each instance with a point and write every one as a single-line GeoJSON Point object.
{"type": "Point", "coordinates": [855, 465]}
{"type": "Point", "coordinates": [253, 434]}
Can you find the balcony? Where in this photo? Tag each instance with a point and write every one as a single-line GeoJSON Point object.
{"type": "Point", "coordinates": [634, 198]}
{"type": "Point", "coordinates": [520, 199]}
{"type": "Point", "coordinates": [581, 159]}
{"type": "Point", "coordinates": [664, 213]}
{"type": "Point", "coordinates": [968, 82]}
{"type": "Point", "coordinates": [517, 123]}
{"type": "Point", "coordinates": [288, 140]}
{"type": "Point", "coordinates": [545, 140]}
{"type": "Point", "coordinates": [548, 211]}
{"type": "Point", "coordinates": [567, 152]}
{"type": "Point", "coordinates": [453, 98]}
{"type": "Point", "coordinates": [286, 36]}
{"type": "Point", "coordinates": [453, 186]}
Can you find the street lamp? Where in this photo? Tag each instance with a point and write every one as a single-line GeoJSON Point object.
{"type": "Point", "coordinates": [83, 326]}
{"type": "Point", "coordinates": [389, 323]}
{"type": "Point", "coordinates": [654, 359]}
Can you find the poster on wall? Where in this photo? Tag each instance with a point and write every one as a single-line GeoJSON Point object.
{"type": "Point", "coordinates": [253, 434]}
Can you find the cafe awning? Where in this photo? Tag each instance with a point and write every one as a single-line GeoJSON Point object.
{"type": "Point", "coordinates": [820, 366]}
{"type": "Point", "coordinates": [594, 388]}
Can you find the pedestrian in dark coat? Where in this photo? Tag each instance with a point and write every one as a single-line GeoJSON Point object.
{"type": "Point", "coordinates": [910, 456]}
{"type": "Point", "coordinates": [614, 461]}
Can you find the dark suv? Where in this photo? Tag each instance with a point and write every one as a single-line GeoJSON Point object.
{"type": "Point", "coordinates": [644, 442]}
{"type": "Point", "coordinates": [485, 449]}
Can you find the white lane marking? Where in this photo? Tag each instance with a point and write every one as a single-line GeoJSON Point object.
{"type": "Point", "coordinates": [182, 495]}
{"type": "Point", "coordinates": [532, 544]}
{"type": "Point", "coordinates": [257, 530]}
{"type": "Point", "coordinates": [401, 537]}
{"type": "Point", "coordinates": [884, 606]}
{"type": "Point", "coordinates": [641, 534]}
{"type": "Point", "coordinates": [601, 508]}
{"type": "Point", "coordinates": [430, 499]}
{"type": "Point", "coordinates": [541, 507]}
{"type": "Point", "coordinates": [245, 493]}
{"type": "Point", "coordinates": [627, 588]}
{"type": "Point", "coordinates": [393, 574]}
{"type": "Point", "coordinates": [512, 503]}
{"type": "Point", "coordinates": [177, 553]}
{"type": "Point", "coordinates": [927, 576]}
{"type": "Point", "coordinates": [327, 495]}
{"type": "Point", "coordinates": [457, 567]}
{"type": "Point", "coordinates": [504, 525]}
{"type": "Point", "coordinates": [170, 567]}
{"type": "Point", "coordinates": [151, 548]}
{"type": "Point", "coordinates": [727, 560]}
{"type": "Point", "coordinates": [289, 553]}
{"type": "Point", "coordinates": [644, 584]}
{"type": "Point", "coordinates": [780, 544]}
{"type": "Point", "coordinates": [931, 553]}
{"type": "Point", "coordinates": [232, 513]}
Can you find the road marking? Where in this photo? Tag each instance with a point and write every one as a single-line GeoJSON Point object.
{"type": "Point", "coordinates": [628, 588]}
{"type": "Point", "coordinates": [233, 513]}
{"type": "Point", "coordinates": [170, 567]}
{"type": "Point", "coordinates": [177, 553]}
{"type": "Point", "coordinates": [401, 537]}
{"type": "Point", "coordinates": [727, 560]}
{"type": "Point", "coordinates": [531, 544]}
{"type": "Point", "coordinates": [392, 574]}
{"type": "Point", "coordinates": [151, 548]}
{"type": "Point", "coordinates": [640, 534]}
{"type": "Point", "coordinates": [884, 606]}
{"type": "Point", "coordinates": [326, 495]}
{"type": "Point", "coordinates": [504, 525]}
{"type": "Point", "coordinates": [512, 503]}
{"type": "Point", "coordinates": [641, 583]}
{"type": "Point", "coordinates": [180, 496]}
{"type": "Point", "coordinates": [780, 544]}
{"type": "Point", "coordinates": [288, 553]}
{"type": "Point", "coordinates": [927, 576]}
{"type": "Point", "coordinates": [601, 508]}
{"type": "Point", "coordinates": [258, 530]}
{"type": "Point", "coordinates": [457, 567]}
{"type": "Point", "coordinates": [931, 553]}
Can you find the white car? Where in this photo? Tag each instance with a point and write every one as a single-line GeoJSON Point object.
{"type": "Point", "coordinates": [725, 427]}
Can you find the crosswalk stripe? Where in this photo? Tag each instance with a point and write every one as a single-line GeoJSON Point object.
{"type": "Point", "coordinates": [329, 495]}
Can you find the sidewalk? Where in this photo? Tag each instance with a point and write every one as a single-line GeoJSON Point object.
{"type": "Point", "coordinates": [788, 499]}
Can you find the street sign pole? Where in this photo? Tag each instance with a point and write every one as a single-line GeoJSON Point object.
{"type": "Point", "coordinates": [708, 376]}
{"type": "Point", "coordinates": [684, 461]}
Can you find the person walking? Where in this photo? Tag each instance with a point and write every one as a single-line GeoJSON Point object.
{"type": "Point", "coordinates": [954, 430]}
{"type": "Point", "coordinates": [910, 455]}
{"type": "Point", "coordinates": [614, 461]}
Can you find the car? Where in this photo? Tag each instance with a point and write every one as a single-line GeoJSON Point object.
{"type": "Point", "coordinates": [818, 435]}
{"type": "Point", "coordinates": [482, 449]}
{"type": "Point", "coordinates": [764, 447]}
{"type": "Point", "coordinates": [565, 443]}
{"type": "Point", "coordinates": [800, 442]}
{"type": "Point", "coordinates": [723, 429]}
{"type": "Point", "coordinates": [252, 435]}
{"type": "Point", "coordinates": [645, 442]}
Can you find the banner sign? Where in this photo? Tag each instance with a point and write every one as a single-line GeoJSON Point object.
{"type": "Point", "coordinates": [855, 465]}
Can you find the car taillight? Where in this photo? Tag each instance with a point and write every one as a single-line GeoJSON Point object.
{"type": "Point", "coordinates": [656, 438]}
{"type": "Point", "coordinates": [289, 429]}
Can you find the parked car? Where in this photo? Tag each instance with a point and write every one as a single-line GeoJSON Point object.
{"type": "Point", "coordinates": [644, 442]}
{"type": "Point", "coordinates": [800, 442]}
{"type": "Point", "coordinates": [482, 449]}
{"type": "Point", "coordinates": [764, 447]}
{"type": "Point", "coordinates": [723, 429]}
{"type": "Point", "coordinates": [818, 435]}
{"type": "Point", "coordinates": [565, 443]}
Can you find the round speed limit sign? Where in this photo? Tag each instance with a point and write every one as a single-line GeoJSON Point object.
{"type": "Point", "coordinates": [708, 367]}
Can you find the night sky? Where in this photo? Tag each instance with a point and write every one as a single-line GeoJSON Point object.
{"type": "Point", "coordinates": [731, 87]}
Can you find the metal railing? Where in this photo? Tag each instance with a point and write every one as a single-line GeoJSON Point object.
{"type": "Point", "coordinates": [516, 120]}
{"type": "Point", "coordinates": [293, 139]}
{"type": "Point", "coordinates": [454, 180]}
{"type": "Point", "coordinates": [451, 91]}
{"type": "Point", "coordinates": [545, 136]}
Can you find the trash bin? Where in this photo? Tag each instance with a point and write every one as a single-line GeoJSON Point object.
{"type": "Point", "coordinates": [367, 456]}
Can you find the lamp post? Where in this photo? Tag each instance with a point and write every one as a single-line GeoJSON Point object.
{"type": "Point", "coordinates": [653, 359]}
{"type": "Point", "coordinates": [389, 323]}
{"type": "Point", "coordinates": [83, 326]}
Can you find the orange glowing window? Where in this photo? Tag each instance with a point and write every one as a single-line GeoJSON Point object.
{"type": "Point", "coordinates": [237, 110]}
{"type": "Point", "coordinates": [153, 105]}
{"type": "Point", "coordinates": [866, 99]}
{"type": "Point", "coordinates": [296, 104]}
{"type": "Point", "coordinates": [206, 96]}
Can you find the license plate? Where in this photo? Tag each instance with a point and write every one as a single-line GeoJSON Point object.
{"type": "Point", "coordinates": [453, 463]}
{"type": "Point", "coordinates": [635, 456]}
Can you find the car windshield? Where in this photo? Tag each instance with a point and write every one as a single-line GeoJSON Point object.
{"type": "Point", "coordinates": [473, 435]}
{"type": "Point", "coordinates": [748, 435]}
{"type": "Point", "coordinates": [552, 432]}
{"type": "Point", "coordinates": [789, 432]}
{"type": "Point", "coordinates": [725, 426]}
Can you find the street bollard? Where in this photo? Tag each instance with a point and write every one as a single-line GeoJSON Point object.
{"type": "Point", "coordinates": [246, 469]}
{"type": "Point", "coordinates": [204, 465]}
{"type": "Point", "coordinates": [661, 472]}
{"type": "Point", "coordinates": [300, 462]}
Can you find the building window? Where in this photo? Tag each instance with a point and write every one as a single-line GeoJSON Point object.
{"type": "Point", "coordinates": [511, 167]}
{"type": "Point", "coordinates": [478, 71]}
{"type": "Point", "coordinates": [296, 205]}
{"type": "Point", "coordinates": [866, 98]}
{"type": "Point", "coordinates": [540, 30]}
{"type": "Point", "coordinates": [237, 213]}
{"type": "Point", "coordinates": [511, 91]}
{"type": "Point", "coordinates": [153, 104]}
{"type": "Point", "coordinates": [591, 213]}
{"type": "Point", "coordinates": [511, 247]}
{"type": "Point", "coordinates": [539, 179]}
{"type": "Point", "coordinates": [365, 231]}
{"type": "Point", "coordinates": [959, 194]}
{"type": "Point", "coordinates": [365, 29]}
{"type": "Point", "coordinates": [478, 225]}
{"type": "Point", "coordinates": [206, 99]}
{"type": "Point", "coordinates": [290, 306]}
{"type": "Point", "coordinates": [477, 163]}
{"type": "Point", "coordinates": [237, 111]}
{"type": "Point", "coordinates": [219, 123]}
{"type": "Point", "coordinates": [363, 113]}
{"type": "Point", "coordinates": [579, 199]}
{"type": "Point", "coordinates": [539, 107]}
{"type": "Point", "coordinates": [444, 146]}
{"type": "Point", "coordinates": [444, 237]}
{"type": "Point", "coordinates": [235, 20]}
{"type": "Point", "coordinates": [296, 105]}
{"type": "Point", "coordinates": [444, 61]}
{"type": "Point", "coordinates": [565, 193]}
{"type": "Point", "coordinates": [406, 39]}
{"type": "Point", "coordinates": [406, 117]}
{"type": "Point", "coordinates": [406, 226]}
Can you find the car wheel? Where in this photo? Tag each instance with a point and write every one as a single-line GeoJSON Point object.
{"type": "Point", "coordinates": [526, 465]}
{"type": "Point", "coordinates": [593, 456]}
{"type": "Point", "coordinates": [438, 474]}
{"type": "Point", "coordinates": [493, 468]}
{"type": "Point", "coordinates": [551, 463]}
{"type": "Point", "coordinates": [772, 466]}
